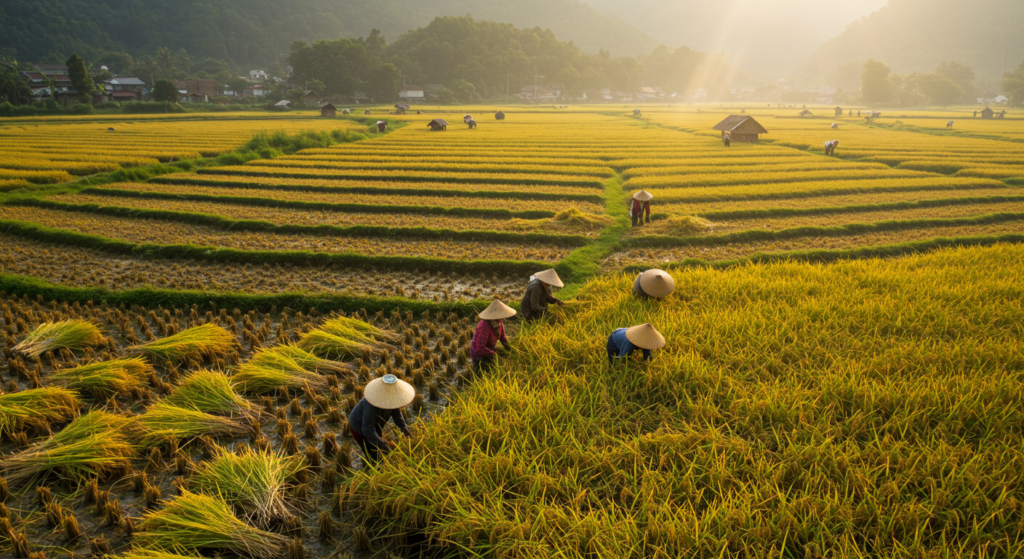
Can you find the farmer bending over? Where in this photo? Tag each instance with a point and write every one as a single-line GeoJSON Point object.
{"type": "Point", "coordinates": [538, 294]}
{"type": "Point", "coordinates": [383, 399]}
{"type": "Point", "coordinates": [640, 205]}
{"type": "Point", "coordinates": [830, 147]}
{"type": "Point", "coordinates": [625, 341]}
{"type": "Point", "coordinates": [653, 283]}
{"type": "Point", "coordinates": [489, 331]}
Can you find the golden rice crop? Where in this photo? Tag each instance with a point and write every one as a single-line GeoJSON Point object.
{"type": "Point", "coordinates": [164, 421]}
{"type": "Point", "coordinates": [162, 232]}
{"type": "Point", "coordinates": [69, 334]}
{"type": "Point", "coordinates": [821, 409]}
{"type": "Point", "coordinates": [376, 174]}
{"type": "Point", "coordinates": [36, 409]}
{"type": "Point", "coordinates": [203, 341]}
{"type": "Point", "coordinates": [107, 378]}
{"type": "Point", "coordinates": [255, 482]}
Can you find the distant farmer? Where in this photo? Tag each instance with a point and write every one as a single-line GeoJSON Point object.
{"type": "Point", "coordinates": [489, 331]}
{"type": "Point", "coordinates": [624, 341]}
{"type": "Point", "coordinates": [382, 125]}
{"type": "Point", "coordinates": [472, 123]}
{"type": "Point", "coordinates": [949, 125]}
{"type": "Point", "coordinates": [640, 208]}
{"type": "Point", "coordinates": [830, 147]}
{"type": "Point", "coordinates": [467, 118]}
{"type": "Point", "coordinates": [383, 399]}
{"type": "Point", "coordinates": [538, 295]}
{"type": "Point", "coordinates": [858, 114]}
{"type": "Point", "coordinates": [727, 139]}
{"type": "Point", "coordinates": [653, 284]}
{"type": "Point", "coordinates": [366, 112]}
{"type": "Point", "coordinates": [975, 114]}
{"type": "Point", "coordinates": [851, 113]}
{"type": "Point", "coordinates": [111, 129]}
{"type": "Point", "coordinates": [834, 126]}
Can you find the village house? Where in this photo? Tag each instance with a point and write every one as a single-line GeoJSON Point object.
{"type": "Point", "coordinates": [255, 90]}
{"type": "Point", "coordinates": [125, 88]}
{"type": "Point", "coordinates": [39, 82]}
{"type": "Point", "coordinates": [411, 93]}
{"type": "Point", "coordinates": [537, 93]}
{"type": "Point", "coordinates": [311, 98]}
{"type": "Point", "coordinates": [257, 75]}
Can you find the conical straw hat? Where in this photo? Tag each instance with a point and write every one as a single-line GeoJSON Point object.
{"type": "Point", "coordinates": [643, 196]}
{"type": "Point", "coordinates": [645, 337]}
{"type": "Point", "coordinates": [657, 283]}
{"type": "Point", "coordinates": [550, 277]}
{"type": "Point", "coordinates": [389, 393]}
{"type": "Point", "coordinates": [497, 311]}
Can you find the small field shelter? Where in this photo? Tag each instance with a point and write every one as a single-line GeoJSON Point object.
{"type": "Point", "coordinates": [741, 128]}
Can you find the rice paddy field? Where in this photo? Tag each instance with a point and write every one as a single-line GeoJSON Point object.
{"type": "Point", "coordinates": [842, 376]}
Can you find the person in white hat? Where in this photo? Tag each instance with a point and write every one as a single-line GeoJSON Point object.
{"type": "Point", "coordinates": [489, 331]}
{"type": "Point", "coordinates": [538, 294]}
{"type": "Point", "coordinates": [640, 205]}
{"type": "Point", "coordinates": [383, 399]}
{"type": "Point", "coordinates": [653, 283]}
{"type": "Point", "coordinates": [624, 341]}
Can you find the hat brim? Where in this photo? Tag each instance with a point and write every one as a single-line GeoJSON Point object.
{"type": "Point", "coordinates": [657, 283]}
{"type": "Point", "coordinates": [550, 277]}
{"type": "Point", "coordinates": [643, 196]}
{"type": "Point", "coordinates": [645, 337]}
{"type": "Point", "coordinates": [497, 311]}
{"type": "Point", "coordinates": [389, 396]}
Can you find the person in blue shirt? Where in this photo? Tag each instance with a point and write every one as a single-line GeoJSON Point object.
{"type": "Point", "coordinates": [624, 341]}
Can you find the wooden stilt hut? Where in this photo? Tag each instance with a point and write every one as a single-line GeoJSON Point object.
{"type": "Point", "coordinates": [741, 128]}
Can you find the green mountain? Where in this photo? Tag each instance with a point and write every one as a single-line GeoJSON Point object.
{"type": "Point", "coordinates": [916, 35]}
{"type": "Point", "coordinates": [257, 32]}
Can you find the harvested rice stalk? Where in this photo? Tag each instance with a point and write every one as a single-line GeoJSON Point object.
{"type": "Point", "coordinates": [256, 481]}
{"type": "Point", "coordinates": [155, 554]}
{"type": "Point", "coordinates": [164, 421]}
{"type": "Point", "coordinates": [205, 341]}
{"type": "Point", "coordinates": [210, 392]}
{"type": "Point", "coordinates": [193, 521]}
{"type": "Point", "coordinates": [328, 345]}
{"type": "Point", "coordinates": [107, 378]}
{"type": "Point", "coordinates": [357, 329]}
{"type": "Point", "coordinates": [70, 334]}
{"type": "Point", "coordinates": [35, 409]}
{"type": "Point", "coordinates": [269, 370]}
{"type": "Point", "coordinates": [307, 360]}
{"type": "Point", "coordinates": [96, 444]}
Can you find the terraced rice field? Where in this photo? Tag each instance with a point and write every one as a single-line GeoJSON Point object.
{"type": "Point", "coordinates": [849, 407]}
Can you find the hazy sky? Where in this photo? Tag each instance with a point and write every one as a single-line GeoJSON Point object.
{"type": "Point", "coordinates": [764, 37]}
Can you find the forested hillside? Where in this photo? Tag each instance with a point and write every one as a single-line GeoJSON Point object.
{"type": "Point", "coordinates": [248, 32]}
{"type": "Point", "coordinates": [916, 35]}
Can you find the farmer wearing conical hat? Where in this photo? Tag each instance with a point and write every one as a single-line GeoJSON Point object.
{"type": "Point", "coordinates": [625, 341]}
{"type": "Point", "coordinates": [538, 294]}
{"type": "Point", "coordinates": [383, 399]}
{"type": "Point", "coordinates": [640, 205]}
{"type": "Point", "coordinates": [653, 283]}
{"type": "Point", "coordinates": [489, 331]}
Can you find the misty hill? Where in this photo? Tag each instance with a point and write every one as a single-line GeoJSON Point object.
{"type": "Point", "coordinates": [762, 39]}
{"type": "Point", "coordinates": [916, 35]}
{"type": "Point", "coordinates": [253, 32]}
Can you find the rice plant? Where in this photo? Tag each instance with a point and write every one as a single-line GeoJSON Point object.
{"type": "Point", "coordinates": [193, 521]}
{"type": "Point", "coordinates": [155, 554]}
{"type": "Point", "coordinates": [270, 369]}
{"type": "Point", "coordinates": [96, 444]}
{"type": "Point", "coordinates": [107, 378]}
{"type": "Point", "coordinates": [36, 409]}
{"type": "Point", "coordinates": [304, 359]}
{"type": "Point", "coordinates": [204, 341]}
{"type": "Point", "coordinates": [210, 392]}
{"type": "Point", "coordinates": [70, 334]}
{"type": "Point", "coordinates": [164, 421]}
{"type": "Point", "coordinates": [256, 482]}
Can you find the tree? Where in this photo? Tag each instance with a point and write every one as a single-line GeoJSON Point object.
{"type": "Point", "coordinates": [316, 86]}
{"type": "Point", "coordinates": [80, 80]}
{"type": "Point", "coordinates": [384, 83]}
{"type": "Point", "coordinates": [12, 88]}
{"type": "Point", "coordinates": [961, 75]}
{"type": "Point", "coordinates": [464, 91]}
{"type": "Point", "coordinates": [165, 91]}
{"type": "Point", "coordinates": [875, 86]}
{"type": "Point", "coordinates": [445, 96]}
{"type": "Point", "coordinates": [937, 89]}
{"type": "Point", "coordinates": [235, 84]}
{"type": "Point", "coordinates": [1013, 86]}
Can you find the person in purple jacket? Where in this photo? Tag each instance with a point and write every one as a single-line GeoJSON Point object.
{"type": "Point", "coordinates": [489, 331]}
{"type": "Point", "coordinates": [383, 400]}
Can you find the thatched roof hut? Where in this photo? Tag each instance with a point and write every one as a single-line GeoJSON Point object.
{"type": "Point", "coordinates": [499, 116]}
{"type": "Point", "coordinates": [328, 110]}
{"type": "Point", "coordinates": [805, 112]}
{"type": "Point", "coordinates": [438, 125]}
{"type": "Point", "coordinates": [741, 128]}
{"type": "Point", "coordinates": [987, 113]}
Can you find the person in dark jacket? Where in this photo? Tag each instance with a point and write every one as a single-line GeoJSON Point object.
{"type": "Point", "coordinates": [727, 139]}
{"type": "Point", "coordinates": [639, 206]}
{"type": "Point", "coordinates": [383, 400]}
{"type": "Point", "coordinates": [624, 341]}
{"type": "Point", "coordinates": [489, 331]}
{"type": "Point", "coordinates": [382, 125]}
{"type": "Point", "coordinates": [653, 283]}
{"type": "Point", "coordinates": [538, 295]}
